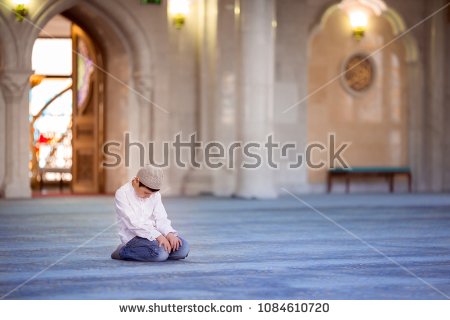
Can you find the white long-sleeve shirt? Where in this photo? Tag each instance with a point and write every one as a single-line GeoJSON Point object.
{"type": "Point", "coordinates": [142, 217]}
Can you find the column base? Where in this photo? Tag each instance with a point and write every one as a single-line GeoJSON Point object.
{"type": "Point", "coordinates": [17, 191]}
{"type": "Point", "coordinates": [256, 191]}
{"type": "Point", "coordinates": [260, 196]}
{"type": "Point", "coordinates": [196, 182]}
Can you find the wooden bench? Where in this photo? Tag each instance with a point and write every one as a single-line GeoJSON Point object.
{"type": "Point", "coordinates": [387, 172]}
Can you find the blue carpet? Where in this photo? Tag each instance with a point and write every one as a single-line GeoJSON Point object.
{"type": "Point", "coordinates": [382, 246]}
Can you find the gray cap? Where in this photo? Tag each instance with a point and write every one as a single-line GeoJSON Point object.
{"type": "Point", "coordinates": [151, 177]}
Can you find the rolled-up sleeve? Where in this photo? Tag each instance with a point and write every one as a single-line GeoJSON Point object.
{"type": "Point", "coordinates": [126, 215]}
{"type": "Point", "coordinates": [163, 224]}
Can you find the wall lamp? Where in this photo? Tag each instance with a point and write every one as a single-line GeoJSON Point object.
{"type": "Point", "coordinates": [178, 11]}
{"type": "Point", "coordinates": [358, 21]}
{"type": "Point", "coordinates": [359, 12]}
{"type": "Point", "coordinates": [20, 9]}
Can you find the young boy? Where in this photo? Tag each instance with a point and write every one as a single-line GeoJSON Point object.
{"type": "Point", "coordinates": [144, 229]}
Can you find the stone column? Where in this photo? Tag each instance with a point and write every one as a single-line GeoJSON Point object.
{"type": "Point", "coordinates": [199, 180]}
{"type": "Point", "coordinates": [256, 81]}
{"type": "Point", "coordinates": [434, 130]}
{"type": "Point", "coordinates": [140, 122]}
{"type": "Point", "coordinates": [143, 85]}
{"type": "Point", "coordinates": [226, 103]}
{"type": "Point", "coordinates": [291, 86]}
{"type": "Point", "coordinates": [16, 89]}
{"type": "Point", "coordinates": [2, 142]}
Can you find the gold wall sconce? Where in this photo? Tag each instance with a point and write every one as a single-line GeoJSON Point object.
{"type": "Point", "coordinates": [359, 12]}
{"type": "Point", "coordinates": [20, 9]}
{"type": "Point", "coordinates": [358, 21]}
{"type": "Point", "coordinates": [178, 10]}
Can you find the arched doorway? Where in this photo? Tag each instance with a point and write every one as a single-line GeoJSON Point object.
{"type": "Point", "coordinates": [371, 108]}
{"type": "Point", "coordinates": [66, 110]}
{"type": "Point", "coordinates": [128, 85]}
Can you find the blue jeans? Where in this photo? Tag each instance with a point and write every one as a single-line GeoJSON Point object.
{"type": "Point", "coordinates": [142, 249]}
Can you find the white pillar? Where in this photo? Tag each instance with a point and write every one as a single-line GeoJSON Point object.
{"type": "Point", "coordinates": [256, 82]}
{"type": "Point", "coordinates": [226, 100]}
{"type": "Point", "coordinates": [434, 135]}
{"type": "Point", "coordinates": [15, 87]}
{"type": "Point", "coordinates": [2, 142]}
{"type": "Point", "coordinates": [198, 180]}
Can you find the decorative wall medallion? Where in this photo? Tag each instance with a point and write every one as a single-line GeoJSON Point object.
{"type": "Point", "coordinates": [358, 73]}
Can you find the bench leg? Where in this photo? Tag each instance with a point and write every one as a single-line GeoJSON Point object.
{"type": "Point", "coordinates": [391, 183]}
{"type": "Point", "coordinates": [409, 182]}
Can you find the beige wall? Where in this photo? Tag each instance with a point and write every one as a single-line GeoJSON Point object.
{"type": "Point", "coordinates": [193, 74]}
{"type": "Point", "coordinates": [376, 121]}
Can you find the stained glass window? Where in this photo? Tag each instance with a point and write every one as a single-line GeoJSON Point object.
{"type": "Point", "coordinates": [52, 57]}
{"type": "Point", "coordinates": [51, 110]}
{"type": "Point", "coordinates": [85, 72]}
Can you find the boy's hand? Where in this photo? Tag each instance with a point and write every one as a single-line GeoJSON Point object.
{"type": "Point", "coordinates": [174, 241]}
{"type": "Point", "coordinates": [164, 242]}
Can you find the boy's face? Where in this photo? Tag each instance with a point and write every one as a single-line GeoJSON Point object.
{"type": "Point", "coordinates": [141, 190]}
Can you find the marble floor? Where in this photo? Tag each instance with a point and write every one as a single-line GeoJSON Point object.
{"type": "Point", "coordinates": [357, 246]}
